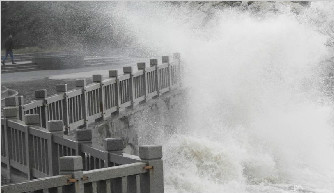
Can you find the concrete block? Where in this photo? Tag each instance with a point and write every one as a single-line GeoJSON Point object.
{"type": "Point", "coordinates": [127, 69]}
{"type": "Point", "coordinates": [84, 135]}
{"type": "Point", "coordinates": [113, 144]}
{"type": "Point", "coordinates": [20, 99]}
{"type": "Point", "coordinates": [150, 152]}
{"type": "Point", "coordinates": [80, 83]}
{"type": "Point", "coordinates": [141, 65]}
{"type": "Point", "coordinates": [153, 62]}
{"type": "Point", "coordinates": [11, 101]}
{"type": "Point", "coordinates": [165, 59]}
{"type": "Point", "coordinates": [113, 73]}
{"type": "Point", "coordinates": [32, 119]}
{"type": "Point", "coordinates": [55, 125]}
{"type": "Point", "coordinates": [10, 112]}
{"type": "Point", "coordinates": [40, 94]}
{"type": "Point", "coordinates": [61, 88]}
{"type": "Point", "coordinates": [97, 78]}
{"type": "Point", "coordinates": [70, 163]}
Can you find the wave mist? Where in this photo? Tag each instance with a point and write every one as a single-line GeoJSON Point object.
{"type": "Point", "coordinates": [257, 117]}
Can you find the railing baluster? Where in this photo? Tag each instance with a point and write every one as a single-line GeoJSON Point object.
{"type": "Point", "coordinates": [73, 109]}
{"type": "Point", "coordinates": [7, 141]}
{"type": "Point", "coordinates": [49, 112]}
{"type": "Point", "coordinates": [39, 164]}
{"type": "Point", "coordinates": [117, 185]}
{"type": "Point", "coordinates": [26, 146]}
{"type": "Point", "coordinates": [14, 144]}
{"type": "Point", "coordinates": [20, 147]}
{"type": "Point", "coordinates": [59, 150]}
{"type": "Point", "coordinates": [34, 149]}
{"type": "Point", "coordinates": [54, 110]}
{"type": "Point", "coordinates": [29, 153]}
{"type": "Point", "coordinates": [60, 110]}
{"type": "Point", "coordinates": [108, 186]}
{"type": "Point", "coordinates": [78, 107]}
{"type": "Point", "coordinates": [42, 155]}
{"type": "Point", "coordinates": [94, 187]}
{"type": "Point", "coordinates": [131, 184]}
{"type": "Point", "coordinates": [91, 162]}
{"type": "Point", "coordinates": [46, 161]}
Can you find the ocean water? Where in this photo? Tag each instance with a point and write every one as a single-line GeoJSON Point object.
{"type": "Point", "coordinates": [259, 114]}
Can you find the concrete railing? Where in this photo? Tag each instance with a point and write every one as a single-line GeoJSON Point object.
{"type": "Point", "coordinates": [82, 106]}
{"type": "Point", "coordinates": [32, 140]}
{"type": "Point", "coordinates": [145, 177]}
{"type": "Point", "coordinates": [35, 151]}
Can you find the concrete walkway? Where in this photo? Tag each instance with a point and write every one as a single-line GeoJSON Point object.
{"type": "Point", "coordinates": [9, 63]}
{"type": "Point", "coordinates": [85, 72]}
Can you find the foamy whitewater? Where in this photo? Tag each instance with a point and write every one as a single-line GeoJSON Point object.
{"type": "Point", "coordinates": [257, 117]}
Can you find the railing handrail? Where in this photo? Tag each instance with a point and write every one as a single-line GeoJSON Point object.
{"type": "Point", "coordinates": [126, 177]}
{"type": "Point", "coordinates": [114, 172]}
{"type": "Point", "coordinates": [88, 177]}
{"type": "Point", "coordinates": [37, 184]}
{"type": "Point", "coordinates": [22, 159]}
{"type": "Point", "coordinates": [158, 79]}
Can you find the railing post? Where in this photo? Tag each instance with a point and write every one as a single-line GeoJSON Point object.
{"type": "Point", "coordinates": [114, 74]}
{"type": "Point", "coordinates": [7, 148]}
{"type": "Point", "coordinates": [41, 95]}
{"type": "Point", "coordinates": [55, 127]}
{"type": "Point", "coordinates": [177, 60]}
{"type": "Point", "coordinates": [30, 120]}
{"type": "Point", "coordinates": [98, 79]}
{"type": "Point", "coordinates": [142, 66]}
{"type": "Point", "coordinates": [114, 146]}
{"type": "Point", "coordinates": [11, 111]}
{"type": "Point", "coordinates": [82, 84]}
{"type": "Point", "coordinates": [165, 59]}
{"type": "Point", "coordinates": [62, 89]}
{"type": "Point", "coordinates": [72, 165]}
{"type": "Point", "coordinates": [12, 107]}
{"type": "Point", "coordinates": [152, 181]}
{"type": "Point", "coordinates": [128, 70]}
{"type": "Point", "coordinates": [154, 62]}
{"type": "Point", "coordinates": [84, 137]}
{"type": "Point", "coordinates": [21, 103]}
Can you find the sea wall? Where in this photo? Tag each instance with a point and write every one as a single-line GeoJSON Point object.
{"type": "Point", "coordinates": [159, 117]}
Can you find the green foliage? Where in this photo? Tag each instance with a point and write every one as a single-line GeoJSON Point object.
{"type": "Point", "coordinates": [73, 25]}
{"type": "Point", "coordinates": [84, 26]}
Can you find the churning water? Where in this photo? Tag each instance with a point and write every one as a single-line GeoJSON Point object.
{"type": "Point", "coordinates": [259, 118]}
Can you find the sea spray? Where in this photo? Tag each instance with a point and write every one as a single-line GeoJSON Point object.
{"type": "Point", "coordinates": [254, 122]}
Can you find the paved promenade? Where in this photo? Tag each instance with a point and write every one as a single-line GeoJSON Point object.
{"type": "Point", "coordinates": [76, 73]}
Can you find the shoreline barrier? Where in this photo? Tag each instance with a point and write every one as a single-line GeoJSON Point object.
{"type": "Point", "coordinates": [33, 141]}
{"type": "Point", "coordinates": [81, 106]}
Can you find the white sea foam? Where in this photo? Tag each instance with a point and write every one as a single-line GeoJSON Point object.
{"type": "Point", "coordinates": [258, 119]}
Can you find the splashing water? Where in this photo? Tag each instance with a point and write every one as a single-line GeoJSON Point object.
{"type": "Point", "coordinates": [258, 120]}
